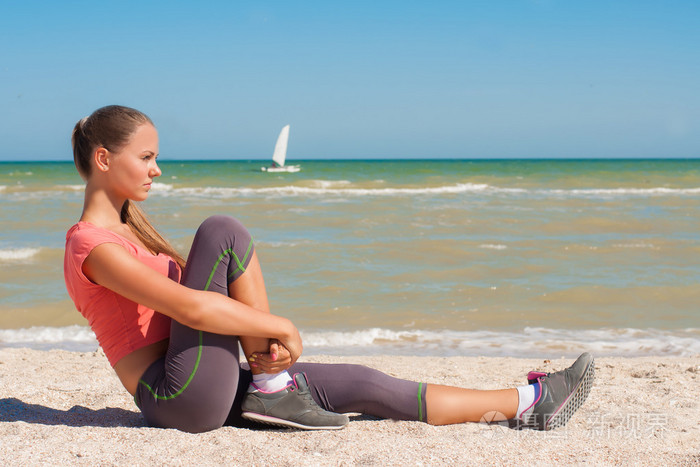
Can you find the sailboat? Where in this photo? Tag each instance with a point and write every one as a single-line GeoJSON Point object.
{"type": "Point", "coordinates": [280, 155]}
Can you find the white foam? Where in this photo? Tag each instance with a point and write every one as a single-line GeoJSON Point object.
{"type": "Point", "coordinates": [18, 254]}
{"type": "Point", "coordinates": [25, 192]}
{"type": "Point", "coordinates": [76, 338]}
{"type": "Point", "coordinates": [328, 184]}
{"type": "Point", "coordinates": [24, 195]}
{"type": "Point", "coordinates": [634, 245]}
{"type": "Point", "coordinates": [362, 338]}
{"type": "Point", "coordinates": [343, 188]}
{"type": "Point", "coordinates": [337, 189]}
{"type": "Point", "coordinates": [71, 187]}
{"type": "Point", "coordinates": [530, 342]}
{"type": "Point", "coordinates": [490, 246]}
{"type": "Point", "coordinates": [273, 244]}
{"type": "Point", "coordinates": [161, 186]}
{"type": "Point", "coordinates": [595, 192]}
{"type": "Point", "coordinates": [327, 188]}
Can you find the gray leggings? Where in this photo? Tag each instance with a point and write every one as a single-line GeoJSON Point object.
{"type": "Point", "coordinates": [199, 386]}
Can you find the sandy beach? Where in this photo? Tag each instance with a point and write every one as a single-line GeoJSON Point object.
{"type": "Point", "coordinates": [59, 408]}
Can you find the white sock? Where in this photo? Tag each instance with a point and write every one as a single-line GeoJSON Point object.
{"type": "Point", "coordinates": [526, 397]}
{"type": "Point", "coordinates": [272, 382]}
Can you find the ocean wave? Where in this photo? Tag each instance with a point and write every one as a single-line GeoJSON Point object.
{"type": "Point", "coordinates": [529, 342]}
{"type": "Point", "coordinates": [71, 187]}
{"type": "Point", "coordinates": [279, 244]}
{"type": "Point", "coordinates": [324, 190]}
{"type": "Point", "coordinates": [607, 192]}
{"type": "Point", "coordinates": [328, 184]}
{"type": "Point", "coordinates": [76, 338]}
{"type": "Point", "coordinates": [22, 194]}
{"type": "Point", "coordinates": [489, 246]}
{"type": "Point", "coordinates": [18, 254]}
{"type": "Point", "coordinates": [342, 188]}
{"type": "Point", "coordinates": [635, 245]}
{"type": "Point", "coordinates": [161, 186]}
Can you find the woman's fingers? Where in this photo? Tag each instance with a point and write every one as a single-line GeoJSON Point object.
{"type": "Point", "coordinates": [274, 349]}
{"type": "Point", "coordinates": [278, 359]}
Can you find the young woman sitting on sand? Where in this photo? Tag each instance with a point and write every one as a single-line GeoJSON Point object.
{"type": "Point", "coordinates": [181, 362]}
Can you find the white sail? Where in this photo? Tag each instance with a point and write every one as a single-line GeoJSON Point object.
{"type": "Point", "coordinates": [280, 154]}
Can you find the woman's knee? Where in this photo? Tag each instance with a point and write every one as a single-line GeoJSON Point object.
{"type": "Point", "coordinates": [221, 251]}
{"type": "Point", "coordinates": [229, 234]}
{"type": "Point", "coordinates": [218, 224]}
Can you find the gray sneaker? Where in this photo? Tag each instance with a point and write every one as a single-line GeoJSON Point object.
{"type": "Point", "coordinates": [291, 407]}
{"type": "Point", "coordinates": [561, 394]}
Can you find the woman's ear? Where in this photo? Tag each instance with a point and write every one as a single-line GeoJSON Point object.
{"type": "Point", "coordinates": [101, 158]}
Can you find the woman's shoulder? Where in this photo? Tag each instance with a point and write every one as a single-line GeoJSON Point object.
{"type": "Point", "coordinates": [86, 236]}
{"type": "Point", "coordinates": [83, 230]}
{"type": "Point", "coordinates": [81, 239]}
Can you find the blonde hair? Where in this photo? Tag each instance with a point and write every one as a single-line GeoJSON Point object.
{"type": "Point", "coordinates": [111, 127]}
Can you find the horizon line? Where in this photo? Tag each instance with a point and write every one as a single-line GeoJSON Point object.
{"type": "Point", "coordinates": [397, 159]}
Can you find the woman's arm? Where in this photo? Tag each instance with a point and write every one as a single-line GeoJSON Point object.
{"type": "Point", "coordinates": [111, 266]}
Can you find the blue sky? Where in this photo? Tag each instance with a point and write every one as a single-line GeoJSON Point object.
{"type": "Point", "coordinates": [360, 79]}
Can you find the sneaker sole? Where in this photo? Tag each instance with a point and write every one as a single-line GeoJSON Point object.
{"type": "Point", "coordinates": [266, 419]}
{"type": "Point", "coordinates": [574, 401]}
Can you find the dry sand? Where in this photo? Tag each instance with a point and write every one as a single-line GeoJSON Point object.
{"type": "Point", "coordinates": [64, 408]}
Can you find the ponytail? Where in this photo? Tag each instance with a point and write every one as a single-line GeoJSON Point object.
{"type": "Point", "coordinates": [136, 219]}
{"type": "Point", "coordinates": [81, 148]}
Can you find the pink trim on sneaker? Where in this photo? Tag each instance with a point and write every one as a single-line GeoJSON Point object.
{"type": "Point", "coordinates": [535, 376]}
{"type": "Point", "coordinates": [259, 389]}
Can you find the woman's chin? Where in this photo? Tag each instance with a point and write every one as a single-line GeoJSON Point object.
{"type": "Point", "coordinates": [140, 197]}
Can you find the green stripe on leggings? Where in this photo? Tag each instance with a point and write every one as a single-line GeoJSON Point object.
{"type": "Point", "coordinates": [420, 402]}
{"type": "Point", "coordinates": [240, 263]}
{"type": "Point", "coordinates": [189, 380]}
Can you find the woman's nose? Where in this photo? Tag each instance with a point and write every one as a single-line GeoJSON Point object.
{"type": "Point", "coordinates": [155, 170]}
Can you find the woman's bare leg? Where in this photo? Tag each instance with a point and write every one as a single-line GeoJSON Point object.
{"type": "Point", "coordinates": [446, 405]}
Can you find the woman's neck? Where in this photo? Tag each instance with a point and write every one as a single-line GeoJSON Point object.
{"type": "Point", "coordinates": [100, 209]}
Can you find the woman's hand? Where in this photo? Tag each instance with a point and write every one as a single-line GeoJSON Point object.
{"type": "Point", "coordinates": [292, 342]}
{"type": "Point", "coordinates": [278, 359]}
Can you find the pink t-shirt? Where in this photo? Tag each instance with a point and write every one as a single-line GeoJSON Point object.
{"type": "Point", "coordinates": [121, 325]}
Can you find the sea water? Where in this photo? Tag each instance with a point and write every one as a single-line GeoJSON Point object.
{"type": "Point", "coordinates": [414, 257]}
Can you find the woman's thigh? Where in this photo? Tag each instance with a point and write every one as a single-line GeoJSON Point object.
{"type": "Point", "coordinates": [193, 387]}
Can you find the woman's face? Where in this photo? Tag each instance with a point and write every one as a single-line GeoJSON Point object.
{"type": "Point", "coordinates": [133, 167]}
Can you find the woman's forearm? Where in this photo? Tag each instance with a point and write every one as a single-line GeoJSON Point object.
{"type": "Point", "coordinates": [216, 313]}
